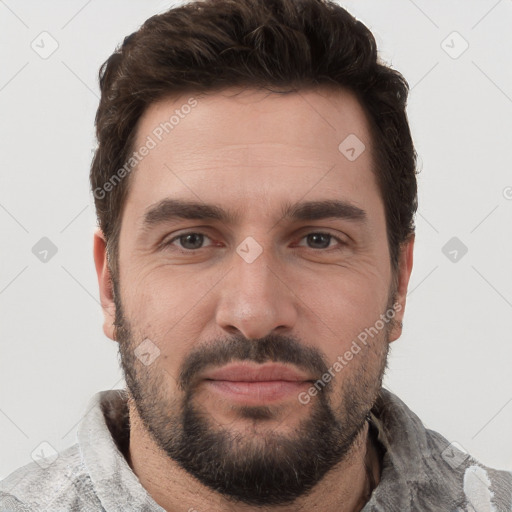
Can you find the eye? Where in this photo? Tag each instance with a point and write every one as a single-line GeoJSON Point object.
{"type": "Point", "coordinates": [188, 242]}
{"type": "Point", "coordinates": [321, 240]}
{"type": "Point", "coordinates": [192, 241]}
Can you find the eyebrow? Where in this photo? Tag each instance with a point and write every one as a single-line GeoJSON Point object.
{"type": "Point", "coordinates": [173, 209]}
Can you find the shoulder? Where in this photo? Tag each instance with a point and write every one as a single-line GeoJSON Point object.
{"type": "Point", "coordinates": [425, 471]}
{"type": "Point", "coordinates": [56, 485]}
{"type": "Point", "coordinates": [483, 487]}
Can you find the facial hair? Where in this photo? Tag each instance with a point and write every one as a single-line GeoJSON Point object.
{"type": "Point", "coordinates": [259, 468]}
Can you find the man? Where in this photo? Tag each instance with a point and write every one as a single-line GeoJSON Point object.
{"type": "Point", "coordinates": [268, 133]}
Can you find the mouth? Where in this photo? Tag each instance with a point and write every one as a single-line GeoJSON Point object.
{"type": "Point", "coordinates": [251, 384]}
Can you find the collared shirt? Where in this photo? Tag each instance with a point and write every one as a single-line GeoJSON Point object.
{"type": "Point", "coordinates": [421, 471]}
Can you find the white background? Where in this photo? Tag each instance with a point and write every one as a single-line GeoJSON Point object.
{"type": "Point", "coordinates": [452, 365]}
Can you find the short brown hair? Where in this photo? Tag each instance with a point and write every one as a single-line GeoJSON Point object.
{"type": "Point", "coordinates": [207, 45]}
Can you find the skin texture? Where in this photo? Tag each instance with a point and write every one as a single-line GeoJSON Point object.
{"type": "Point", "coordinates": [253, 152]}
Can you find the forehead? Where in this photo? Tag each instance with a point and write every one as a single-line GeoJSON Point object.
{"type": "Point", "coordinates": [251, 147]}
{"type": "Point", "coordinates": [249, 116]}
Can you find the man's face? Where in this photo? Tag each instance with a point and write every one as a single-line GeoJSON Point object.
{"type": "Point", "coordinates": [273, 290]}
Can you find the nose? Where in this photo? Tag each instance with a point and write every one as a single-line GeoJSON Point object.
{"type": "Point", "coordinates": [256, 299]}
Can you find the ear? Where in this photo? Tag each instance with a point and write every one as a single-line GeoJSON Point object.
{"type": "Point", "coordinates": [105, 284]}
{"type": "Point", "coordinates": [402, 282]}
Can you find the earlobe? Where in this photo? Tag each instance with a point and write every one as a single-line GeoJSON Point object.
{"type": "Point", "coordinates": [105, 284]}
{"type": "Point", "coordinates": [403, 275]}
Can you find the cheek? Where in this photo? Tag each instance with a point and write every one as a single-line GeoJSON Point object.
{"type": "Point", "coordinates": [343, 306]}
{"type": "Point", "coordinates": [165, 306]}
{"type": "Point", "coordinates": [159, 295]}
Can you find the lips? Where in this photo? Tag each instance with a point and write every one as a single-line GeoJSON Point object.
{"type": "Point", "coordinates": [244, 372]}
{"type": "Point", "coordinates": [250, 384]}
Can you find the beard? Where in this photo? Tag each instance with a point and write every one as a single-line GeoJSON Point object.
{"type": "Point", "coordinates": [259, 466]}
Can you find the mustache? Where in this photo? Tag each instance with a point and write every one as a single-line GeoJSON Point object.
{"type": "Point", "coordinates": [272, 348]}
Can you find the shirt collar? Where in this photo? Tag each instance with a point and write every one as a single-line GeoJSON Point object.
{"type": "Point", "coordinates": [101, 436]}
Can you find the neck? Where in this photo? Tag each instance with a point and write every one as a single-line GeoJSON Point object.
{"type": "Point", "coordinates": [345, 488]}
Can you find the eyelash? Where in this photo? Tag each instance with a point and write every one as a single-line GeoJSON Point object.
{"type": "Point", "coordinates": [190, 251]}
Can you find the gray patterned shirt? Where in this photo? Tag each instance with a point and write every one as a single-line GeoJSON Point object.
{"type": "Point", "coordinates": [421, 470]}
